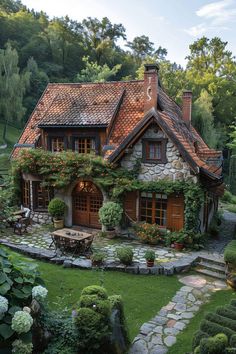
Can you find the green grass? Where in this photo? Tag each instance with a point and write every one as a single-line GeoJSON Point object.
{"type": "Point", "coordinates": [184, 339]}
{"type": "Point", "coordinates": [11, 136]}
{"type": "Point", "coordinates": [143, 295]}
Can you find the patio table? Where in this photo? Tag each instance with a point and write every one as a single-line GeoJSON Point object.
{"type": "Point", "coordinates": [69, 239]}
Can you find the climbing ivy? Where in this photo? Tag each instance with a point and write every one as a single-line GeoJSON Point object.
{"type": "Point", "coordinates": [59, 170]}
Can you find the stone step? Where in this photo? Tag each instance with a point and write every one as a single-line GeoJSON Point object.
{"type": "Point", "coordinates": [211, 259]}
{"type": "Point", "coordinates": [210, 273]}
{"type": "Point", "coordinates": [213, 267]}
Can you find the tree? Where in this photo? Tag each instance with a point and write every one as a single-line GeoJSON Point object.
{"type": "Point", "coordinates": [12, 88]}
{"type": "Point", "coordinates": [141, 47]}
{"type": "Point", "coordinates": [203, 119]}
{"type": "Point", "coordinates": [96, 73]}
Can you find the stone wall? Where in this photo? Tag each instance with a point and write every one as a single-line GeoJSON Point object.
{"type": "Point", "coordinates": [174, 169]}
{"type": "Point", "coordinates": [41, 218]}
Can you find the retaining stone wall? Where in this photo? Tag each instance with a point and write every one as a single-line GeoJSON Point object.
{"type": "Point", "coordinates": [41, 218]}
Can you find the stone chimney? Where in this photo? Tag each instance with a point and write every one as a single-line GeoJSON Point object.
{"type": "Point", "coordinates": [187, 106]}
{"type": "Point", "coordinates": [150, 86]}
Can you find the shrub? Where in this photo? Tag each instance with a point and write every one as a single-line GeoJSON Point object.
{"type": "Point", "coordinates": [227, 197]}
{"type": "Point", "coordinates": [232, 342]}
{"type": "Point", "coordinates": [56, 208]}
{"type": "Point", "coordinates": [21, 322]}
{"type": "Point", "coordinates": [213, 345]}
{"type": "Point", "coordinates": [227, 311]}
{"type": "Point", "coordinates": [230, 253]}
{"type": "Point", "coordinates": [223, 321]}
{"type": "Point", "coordinates": [231, 208]}
{"type": "Point", "coordinates": [110, 214]}
{"type": "Point", "coordinates": [125, 255]}
{"type": "Point", "coordinates": [197, 338]}
{"type": "Point", "coordinates": [98, 257]}
{"type": "Point", "coordinates": [99, 305]}
{"type": "Point", "coordinates": [95, 290]}
{"type": "Point", "coordinates": [20, 347]}
{"type": "Point", "coordinates": [150, 255]}
{"type": "Point", "coordinates": [213, 328]}
{"type": "Point", "coordinates": [233, 302]}
{"type": "Point", "coordinates": [93, 330]}
{"type": "Point", "coordinates": [149, 233]}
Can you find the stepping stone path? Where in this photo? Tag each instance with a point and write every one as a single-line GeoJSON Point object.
{"type": "Point", "coordinates": [157, 335]}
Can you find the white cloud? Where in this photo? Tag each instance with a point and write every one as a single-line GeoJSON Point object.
{"type": "Point", "coordinates": [216, 16]}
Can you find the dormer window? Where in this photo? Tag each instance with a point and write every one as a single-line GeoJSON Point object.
{"type": "Point", "coordinates": [57, 144]}
{"type": "Point", "coordinates": [84, 145]}
{"type": "Point", "coordinates": [154, 150]}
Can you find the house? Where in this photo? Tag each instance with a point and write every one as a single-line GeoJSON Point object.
{"type": "Point", "coordinates": [124, 122]}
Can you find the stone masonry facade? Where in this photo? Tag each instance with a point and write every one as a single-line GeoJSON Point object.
{"type": "Point", "coordinates": [175, 168]}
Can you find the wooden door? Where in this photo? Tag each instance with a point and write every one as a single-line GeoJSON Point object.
{"type": "Point", "coordinates": [130, 206]}
{"type": "Point", "coordinates": [175, 212]}
{"type": "Point", "coordinates": [87, 200]}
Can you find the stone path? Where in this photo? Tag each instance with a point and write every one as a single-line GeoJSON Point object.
{"type": "Point", "coordinates": [158, 334]}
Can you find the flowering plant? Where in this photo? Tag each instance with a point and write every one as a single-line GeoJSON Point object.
{"type": "Point", "coordinates": [3, 304]}
{"type": "Point", "coordinates": [20, 347]}
{"type": "Point", "coordinates": [21, 322]}
{"type": "Point", "coordinates": [149, 233]}
{"type": "Point", "coordinates": [39, 292]}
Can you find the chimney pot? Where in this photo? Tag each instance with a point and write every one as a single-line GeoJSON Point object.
{"type": "Point", "coordinates": [150, 86]}
{"type": "Point", "coordinates": [187, 106]}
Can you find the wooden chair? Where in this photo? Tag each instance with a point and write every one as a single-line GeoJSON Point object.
{"type": "Point", "coordinates": [87, 245]}
{"type": "Point", "coordinates": [21, 225]}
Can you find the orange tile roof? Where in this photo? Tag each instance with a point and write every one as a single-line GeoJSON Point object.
{"type": "Point", "coordinates": [118, 106]}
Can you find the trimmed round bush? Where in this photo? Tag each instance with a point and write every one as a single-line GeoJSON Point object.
{"type": "Point", "coordinates": [99, 305]}
{"type": "Point", "coordinates": [125, 255]}
{"type": "Point", "coordinates": [214, 345]}
{"type": "Point", "coordinates": [110, 214]}
{"type": "Point", "coordinates": [21, 322]}
{"type": "Point", "coordinates": [197, 338]}
{"type": "Point", "coordinates": [99, 291]}
{"type": "Point", "coordinates": [56, 208]}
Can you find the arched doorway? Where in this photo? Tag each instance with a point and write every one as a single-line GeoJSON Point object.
{"type": "Point", "coordinates": [87, 200]}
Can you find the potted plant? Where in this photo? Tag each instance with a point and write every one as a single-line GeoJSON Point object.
{"type": "Point", "coordinates": [110, 215]}
{"type": "Point", "coordinates": [178, 239]}
{"type": "Point", "coordinates": [56, 209]}
{"type": "Point", "coordinates": [150, 258]}
{"type": "Point", "coordinates": [97, 258]}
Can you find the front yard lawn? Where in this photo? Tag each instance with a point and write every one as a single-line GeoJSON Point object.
{"type": "Point", "coordinates": [143, 295]}
{"type": "Point", "coordinates": [184, 339]}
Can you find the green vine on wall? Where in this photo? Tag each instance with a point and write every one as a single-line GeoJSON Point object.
{"type": "Point", "coordinates": [59, 170]}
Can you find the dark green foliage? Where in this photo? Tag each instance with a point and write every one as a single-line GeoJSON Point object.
{"type": "Point", "coordinates": [110, 214]}
{"type": "Point", "coordinates": [100, 292]}
{"type": "Point", "coordinates": [125, 255]}
{"type": "Point", "coordinates": [232, 174]}
{"type": "Point", "coordinates": [233, 302]}
{"type": "Point", "coordinates": [227, 311]}
{"type": "Point", "coordinates": [227, 197]}
{"type": "Point", "coordinates": [94, 302]}
{"type": "Point", "coordinates": [223, 321]}
{"type": "Point", "coordinates": [230, 253]}
{"type": "Point", "coordinates": [197, 338]}
{"type": "Point", "coordinates": [56, 208]}
{"type": "Point", "coordinates": [212, 329]}
{"type": "Point", "coordinates": [233, 341]}
{"type": "Point", "coordinates": [16, 282]}
{"type": "Point", "coordinates": [213, 345]}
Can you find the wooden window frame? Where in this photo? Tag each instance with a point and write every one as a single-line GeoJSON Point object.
{"type": "Point", "coordinates": [26, 194]}
{"type": "Point", "coordinates": [86, 138]}
{"type": "Point", "coordinates": [145, 144]}
{"type": "Point", "coordinates": [95, 137]}
{"type": "Point", "coordinates": [54, 136]}
{"type": "Point", "coordinates": [153, 208]}
{"type": "Point", "coordinates": [35, 197]}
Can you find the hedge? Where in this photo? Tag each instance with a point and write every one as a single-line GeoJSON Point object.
{"type": "Point", "coordinates": [197, 338]}
{"type": "Point", "coordinates": [233, 303]}
{"type": "Point", "coordinates": [233, 341]}
{"type": "Point", "coordinates": [230, 253]}
{"type": "Point", "coordinates": [223, 321]}
{"type": "Point", "coordinates": [226, 311]}
{"type": "Point", "coordinates": [213, 328]}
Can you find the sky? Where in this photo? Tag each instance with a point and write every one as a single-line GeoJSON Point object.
{"type": "Point", "coordinates": [173, 24]}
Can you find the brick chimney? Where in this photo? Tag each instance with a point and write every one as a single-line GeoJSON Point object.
{"type": "Point", "coordinates": [187, 106]}
{"type": "Point", "coordinates": [150, 86]}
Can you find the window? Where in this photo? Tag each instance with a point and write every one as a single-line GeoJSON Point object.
{"type": "Point", "coordinates": [42, 196]}
{"type": "Point", "coordinates": [57, 144]}
{"type": "Point", "coordinates": [84, 145]}
{"type": "Point", "coordinates": [153, 208]}
{"type": "Point", "coordinates": [26, 194]}
{"type": "Point", "coordinates": [154, 150]}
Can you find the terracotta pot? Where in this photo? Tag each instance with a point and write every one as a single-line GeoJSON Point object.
{"type": "Point", "coordinates": [150, 263]}
{"type": "Point", "coordinates": [58, 224]}
{"type": "Point", "coordinates": [178, 245]}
